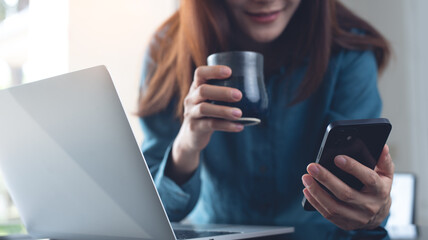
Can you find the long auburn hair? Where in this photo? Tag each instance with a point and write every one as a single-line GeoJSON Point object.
{"type": "Point", "coordinates": [198, 28]}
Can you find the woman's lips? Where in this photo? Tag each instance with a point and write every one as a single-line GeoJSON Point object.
{"type": "Point", "coordinates": [264, 17]}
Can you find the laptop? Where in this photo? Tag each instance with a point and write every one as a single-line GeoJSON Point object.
{"type": "Point", "coordinates": [75, 171]}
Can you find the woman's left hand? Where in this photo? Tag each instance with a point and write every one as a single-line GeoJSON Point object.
{"type": "Point", "coordinates": [352, 209]}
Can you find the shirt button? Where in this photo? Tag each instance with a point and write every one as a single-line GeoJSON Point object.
{"type": "Point", "coordinates": [263, 169]}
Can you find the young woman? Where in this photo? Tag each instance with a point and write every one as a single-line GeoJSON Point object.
{"type": "Point", "coordinates": [321, 65]}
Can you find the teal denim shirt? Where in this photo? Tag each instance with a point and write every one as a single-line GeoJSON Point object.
{"type": "Point", "coordinates": [254, 177]}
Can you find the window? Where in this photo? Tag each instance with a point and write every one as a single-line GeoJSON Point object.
{"type": "Point", "coordinates": [13, 33]}
{"type": "Point", "coordinates": [13, 29]}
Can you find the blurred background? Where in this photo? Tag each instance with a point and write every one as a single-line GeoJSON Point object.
{"type": "Point", "coordinates": [43, 38]}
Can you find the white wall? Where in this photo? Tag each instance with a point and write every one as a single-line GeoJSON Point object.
{"type": "Point", "coordinates": [403, 86]}
{"type": "Point", "coordinates": [47, 39]}
{"type": "Point", "coordinates": [115, 33]}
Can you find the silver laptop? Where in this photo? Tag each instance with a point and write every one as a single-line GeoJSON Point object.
{"type": "Point", "coordinates": [74, 170]}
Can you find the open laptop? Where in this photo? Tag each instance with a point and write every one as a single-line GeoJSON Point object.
{"type": "Point", "coordinates": [74, 170]}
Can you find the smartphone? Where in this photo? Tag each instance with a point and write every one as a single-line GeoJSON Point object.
{"type": "Point", "coordinates": [362, 140]}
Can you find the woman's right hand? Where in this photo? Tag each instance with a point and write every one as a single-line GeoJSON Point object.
{"type": "Point", "coordinates": [201, 119]}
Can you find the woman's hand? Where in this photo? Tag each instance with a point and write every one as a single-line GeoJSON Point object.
{"type": "Point", "coordinates": [352, 209]}
{"type": "Point", "coordinates": [201, 119]}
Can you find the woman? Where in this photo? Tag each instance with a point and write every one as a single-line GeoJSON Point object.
{"type": "Point", "coordinates": [322, 63]}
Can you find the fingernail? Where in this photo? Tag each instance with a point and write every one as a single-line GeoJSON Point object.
{"type": "Point", "coordinates": [306, 192]}
{"type": "Point", "coordinates": [307, 180]}
{"type": "Point", "coordinates": [236, 113]}
{"type": "Point", "coordinates": [236, 94]}
{"type": "Point", "coordinates": [313, 170]}
{"type": "Point", "coordinates": [340, 161]}
{"type": "Point", "coordinates": [239, 127]}
{"type": "Point", "coordinates": [225, 71]}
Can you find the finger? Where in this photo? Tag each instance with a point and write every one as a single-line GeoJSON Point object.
{"type": "Point", "coordinates": [216, 93]}
{"type": "Point", "coordinates": [216, 111]}
{"type": "Point", "coordinates": [341, 214]}
{"type": "Point", "coordinates": [204, 73]}
{"type": "Point", "coordinates": [340, 221]}
{"type": "Point", "coordinates": [336, 186]}
{"type": "Point", "coordinates": [314, 202]}
{"type": "Point", "coordinates": [366, 175]}
{"type": "Point", "coordinates": [368, 204]}
{"type": "Point", "coordinates": [385, 165]}
{"type": "Point", "coordinates": [212, 124]}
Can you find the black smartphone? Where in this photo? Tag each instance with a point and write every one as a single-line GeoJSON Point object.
{"type": "Point", "coordinates": [361, 139]}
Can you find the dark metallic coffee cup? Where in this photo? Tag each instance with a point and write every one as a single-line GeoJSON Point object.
{"type": "Point", "coordinates": [247, 76]}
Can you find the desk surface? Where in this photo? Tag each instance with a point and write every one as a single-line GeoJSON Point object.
{"type": "Point", "coordinates": [328, 232]}
{"type": "Point", "coordinates": [308, 232]}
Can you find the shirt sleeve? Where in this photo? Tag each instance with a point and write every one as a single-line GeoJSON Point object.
{"type": "Point", "coordinates": [159, 131]}
{"type": "Point", "coordinates": [356, 94]}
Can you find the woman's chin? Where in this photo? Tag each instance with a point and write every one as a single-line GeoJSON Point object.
{"type": "Point", "coordinates": [265, 37]}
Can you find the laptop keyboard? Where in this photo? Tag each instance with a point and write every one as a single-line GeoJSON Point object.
{"type": "Point", "coordinates": [189, 234]}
